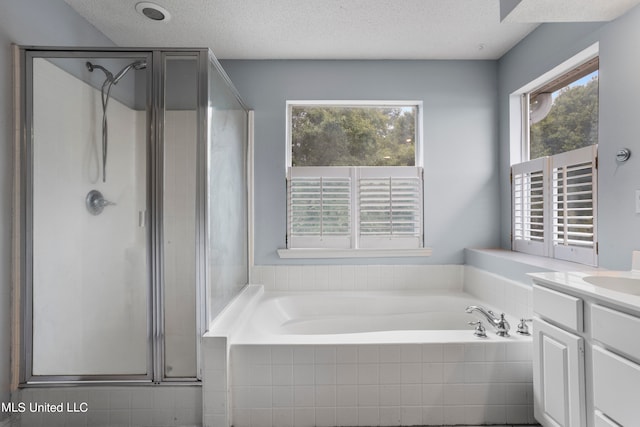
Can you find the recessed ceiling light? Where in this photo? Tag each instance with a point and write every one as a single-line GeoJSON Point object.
{"type": "Point", "coordinates": [153, 11]}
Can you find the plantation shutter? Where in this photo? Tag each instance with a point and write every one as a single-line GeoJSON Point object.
{"type": "Point", "coordinates": [355, 207]}
{"type": "Point", "coordinates": [554, 206]}
{"type": "Point", "coordinates": [319, 207]}
{"type": "Point", "coordinates": [573, 188]}
{"type": "Point", "coordinates": [528, 194]}
{"type": "Point", "coordinates": [390, 207]}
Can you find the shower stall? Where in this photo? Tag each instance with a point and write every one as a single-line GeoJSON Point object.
{"type": "Point", "coordinates": [131, 219]}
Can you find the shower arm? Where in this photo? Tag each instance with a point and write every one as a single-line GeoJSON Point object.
{"type": "Point", "coordinates": [109, 81]}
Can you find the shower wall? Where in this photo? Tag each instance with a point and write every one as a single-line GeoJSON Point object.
{"type": "Point", "coordinates": [87, 267]}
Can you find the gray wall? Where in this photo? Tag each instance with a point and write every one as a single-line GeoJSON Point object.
{"type": "Point", "coordinates": [619, 225]}
{"type": "Point", "coordinates": [25, 22]}
{"type": "Point", "coordinates": [460, 142]}
{"type": "Point", "coordinates": [550, 45]}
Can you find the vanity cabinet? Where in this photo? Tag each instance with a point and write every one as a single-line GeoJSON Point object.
{"type": "Point", "coordinates": [616, 365]}
{"type": "Point", "coordinates": [586, 360]}
{"type": "Point", "coordinates": [558, 375]}
{"type": "Point", "coordinates": [558, 359]}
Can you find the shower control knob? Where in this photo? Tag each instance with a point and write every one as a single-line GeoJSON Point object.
{"type": "Point", "coordinates": [95, 202]}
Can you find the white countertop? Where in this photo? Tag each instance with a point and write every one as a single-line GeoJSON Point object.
{"type": "Point", "coordinates": [574, 283]}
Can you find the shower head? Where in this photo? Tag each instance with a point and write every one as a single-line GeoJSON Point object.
{"type": "Point", "coordinates": [138, 65]}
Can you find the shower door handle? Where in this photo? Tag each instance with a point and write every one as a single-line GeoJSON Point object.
{"type": "Point", "coordinates": [142, 219]}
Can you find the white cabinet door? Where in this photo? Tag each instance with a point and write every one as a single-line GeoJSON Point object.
{"type": "Point", "coordinates": [558, 376]}
{"type": "Point", "coordinates": [616, 387]}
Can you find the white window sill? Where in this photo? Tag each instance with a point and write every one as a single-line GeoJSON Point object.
{"type": "Point", "coordinates": [535, 261]}
{"type": "Point", "coordinates": [353, 253]}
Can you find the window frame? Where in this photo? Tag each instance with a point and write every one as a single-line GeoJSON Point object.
{"type": "Point", "coordinates": [565, 79]}
{"type": "Point", "coordinates": [521, 163]}
{"type": "Point", "coordinates": [519, 102]}
{"type": "Point", "coordinates": [355, 250]}
{"type": "Point", "coordinates": [419, 158]}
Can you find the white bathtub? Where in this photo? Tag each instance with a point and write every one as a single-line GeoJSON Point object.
{"type": "Point", "coordinates": [387, 358]}
{"type": "Point", "coordinates": [364, 318]}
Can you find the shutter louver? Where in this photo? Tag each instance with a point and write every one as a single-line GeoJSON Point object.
{"type": "Point", "coordinates": [573, 185]}
{"type": "Point", "coordinates": [320, 206]}
{"type": "Point", "coordinates": [529, 204]}
{"type": "Point", "coordinates": [554, 206]}
{"type": "Point", "coordinates": [389, 207]}
{"type": "Point", "coordinates": [386, 203]}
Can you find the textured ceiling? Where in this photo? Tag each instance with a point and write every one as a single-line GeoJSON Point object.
{"type": "Point", "coordinates": [332, 29]}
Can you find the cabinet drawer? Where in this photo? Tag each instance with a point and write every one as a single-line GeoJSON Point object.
{"type": "Point", "coordinates": [616, 387]}
{"type": "Point", "coordinates": [558, 307]}
{"type": "Point", "coordinates": [613, 328]}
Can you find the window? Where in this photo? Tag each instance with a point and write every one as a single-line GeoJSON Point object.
{"type": "Point", "coordinates": [563, 114]}
{"type": "Point", "coordinates": [354, 179]}
{"type": "Point", "coordinates": [554, 195]}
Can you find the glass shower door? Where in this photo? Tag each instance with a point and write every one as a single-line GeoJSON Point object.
{"type": "Point", "coordinates": [179, 212]}
{"type": "Point", "coordinates": [89, 215]}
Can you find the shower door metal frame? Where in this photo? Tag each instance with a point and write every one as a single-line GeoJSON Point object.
{"type": "Point", "coordinates": [23, 215]}
{"type": "Point", "coordinates": [159, 58]}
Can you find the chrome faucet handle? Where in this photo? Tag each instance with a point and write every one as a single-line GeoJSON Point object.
{"type": "Point", "coordinates": [95, 202]}
{"type": "Point", "coordinates": [479, 331]}
{"type": "Point", "coordinates": [523, 329]}
{"type": "Point", "coordinates": [502, 328]}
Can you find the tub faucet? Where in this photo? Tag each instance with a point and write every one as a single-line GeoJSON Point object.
{"type": "Point", "coordinates": [500, 323]}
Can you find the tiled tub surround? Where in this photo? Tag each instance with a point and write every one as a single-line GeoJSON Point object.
{"type": "Point", "coordinates": [471, 381]}
{"type": "Point", "coordinates": [381, 385]}
{"type": "Point", "coordinates": [357, 277]}
{"type": "Point", "coordinates": [509, 295]}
